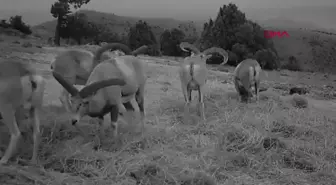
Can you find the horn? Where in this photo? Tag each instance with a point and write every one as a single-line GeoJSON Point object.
{"type": "Point", "coordinates": [95, 86]}
{"type": "Point", "coordinates": [185, 46]}
{"type": "Point", "coordinates": [219, 51]}
{"type": "Point", "coordinates": [141, 50]}
{"type": "Point", "coordinates": [67, 86]}
{"type": "Point", "coordinates": [111, 46]}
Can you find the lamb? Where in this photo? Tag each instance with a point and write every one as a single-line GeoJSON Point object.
{"type": "Point", "coordinates": [20, 88]}
{"type": "Point", "coordinates": [111, 83]}
{"type": "Point", "coordinates": [193, 74]}
{"type": "Point", "coordinates": [245, 76]}
{"type": "Point", "coordinates": [76, 65]}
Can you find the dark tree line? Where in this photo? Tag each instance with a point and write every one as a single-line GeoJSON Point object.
{"type": "Point", "coordinates": [230, 30]}
{"type": "Point", "coordinates": [242, 38]}
{"type": "Point", "coordinates": [16, 22]}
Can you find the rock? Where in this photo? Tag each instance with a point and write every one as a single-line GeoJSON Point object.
{"type": "Point", "coordinates": [299, 101]}
{"type": "Point", "coordinates": [27, 45]}
{"type": "Point", "coordinates": [222, 69]}
{"type": "Point", "coordinates": [261, 89]}
{"type": "Point", "coordinates": [298, 90]}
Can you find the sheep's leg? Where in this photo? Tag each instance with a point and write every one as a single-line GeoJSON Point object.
{"type": "Point", "coordinates": [256, 88]}
{"type": "Point", "coordinates": [140, 114]}
{"type": "Point", "coordinates": [201, 103]}
{"type": "Point", "coordinates": [239, 97]}
{"type": "Point", "coordinates": [8, 115]}
{"type": "Point", "coordinates": [35, 113]}
{"type": "Point", "coordinates": [114, 113]}
{"type": "Point", "coordinates": [141, 101]}
{"type": "Point", "coordinates": [123, 108]}
{"type": "Point", "coordinates": [101, 131]}
{"type": "Point", "coordinates": [64, 98]}
{"type": "Point", "coordinates": [187, 97]}
{"type": "Point", "coordinates": [135, 106]}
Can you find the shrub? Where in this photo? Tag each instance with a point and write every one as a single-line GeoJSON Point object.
{"type": "Point", "coordinates": [17, 23]}
{"type": "Point", "coordinates": [141, 34]}
{"type": "Point", "coordinates": [170, 40]}
{"type": "Point", "coordinates": [267, 59]}
{"type": "Point", "coordinates": [242, 38]}
{"type": "Point", "coordinates": [293, 64]}
{"type": "Point", "coordinates": [299, 101]}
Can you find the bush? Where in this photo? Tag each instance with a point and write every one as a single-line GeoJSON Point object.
{"type": "Point", "coordinates": [242, 38]}
{"type": "Point", "coordinates": [4, 24]}
{"type": "Point", "coordinates": [293, 64]}
{"type": "Point", "coordinates": [17, 23]}
{"type": "Point", "coordinates": [267, 59]}
{"type": "Point", "coordinates": [299, 101]}
{"type": "Point", "coordinates": [141, 34]}
{"type": "Point", "coordinates": [170, 40]}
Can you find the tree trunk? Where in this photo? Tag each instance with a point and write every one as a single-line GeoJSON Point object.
{"type": "Point", "coordinates": [58, 27]}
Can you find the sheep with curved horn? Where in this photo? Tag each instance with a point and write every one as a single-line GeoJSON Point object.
{"type": "Point", "coordinates": [76, 64]}
{"type": "Point", "coordinates": [20, 88]}
{"type": "Point", "coordinates": [246, 75]}
{"type": "Point", "coordinates": [193, 74]}
{"type": "Point", "coordinates": [111, 83]}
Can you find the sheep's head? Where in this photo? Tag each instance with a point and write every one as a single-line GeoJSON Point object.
{"type": "Point", "coordinates": [196, 55]}
{"type": "Point", "coordinates": [81, 100]}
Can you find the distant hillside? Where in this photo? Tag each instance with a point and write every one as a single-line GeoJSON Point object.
{"type": "Point", "coordinates": [313, 49]}
{"type": "Point", "coordinates": [286, 24]}
{"type": "Point", "coordinates": [305, 16]}
{"type": "Point", "coordinates": [116, 23]}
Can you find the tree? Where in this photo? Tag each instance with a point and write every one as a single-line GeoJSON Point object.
{"type": "Point", "coordinates": [141, 34]}
{"type": "Point", "coordinates": [190, 32]}
{"type": "Point", "coordinates": [4, 24]}
{"type": "Point", "coordinates": [60, 9]}
{"type": "Point", "coordinates": [16, 22]}
{"type": "Point", "coordinates": [170, 40]}
{"type": "Point", "coordinates": [77, 27]}
{"type": "Point", "coordinates": [105, 34]}
{"type": "Point", "coordinates": [241, 37]}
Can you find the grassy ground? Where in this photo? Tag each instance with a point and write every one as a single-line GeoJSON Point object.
{"type": "Point", "coordinates": [271, 142]}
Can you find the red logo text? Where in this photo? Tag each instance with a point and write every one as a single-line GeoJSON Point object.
{"type": "Point", "coordinates": [270, 34]}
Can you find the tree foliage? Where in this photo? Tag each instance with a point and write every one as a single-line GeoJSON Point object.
{"type": "Point", "coordinates": [77, 27]}
{"type": "Point", "coordinates": [170, 40]}
{"type": "Point", "coordinates": [16, 22]}
{"type": "Point", "coordinates": [60, 9]}
{"type": "Point", "coordinates": [190, 32]}
{"type": "Point", "coordinates": [241, 37]}
{"type": "Point", "coordinates": [141, 34]}
{"type": "Point", "coordinates": [106, 34]}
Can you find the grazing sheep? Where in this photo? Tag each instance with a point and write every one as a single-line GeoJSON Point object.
{"type": "Point", "coordinates": [76, 65]}
{"type": "Point", "coordinates": [246, 75]}
{"type": "Point", "coordinates": [111, 83]}
{"type": "Point", "coordinates": [20, 88]}
{"type": "Point", "coordinates": [193, 74]}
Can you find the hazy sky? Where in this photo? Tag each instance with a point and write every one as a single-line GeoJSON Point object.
{"type": "Point", "coordinates": [160, 8]}
{"type": "Point", "coordinates": [38, 11]}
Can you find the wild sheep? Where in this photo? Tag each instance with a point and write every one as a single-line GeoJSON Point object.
{"type": "Point", "coordinates": [20, 88]}
{"type": "Point", "coordinates": [111, 83]}
{"type": "Point", "coordinates": [76, 65]}
{"type": "Point", "coordinates": [193, 74]}
{"type": "Point", "coordinates": [245, 76]}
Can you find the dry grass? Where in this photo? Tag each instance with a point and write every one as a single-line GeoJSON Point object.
{"type": "Point", "coordinates": [270, 142]}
